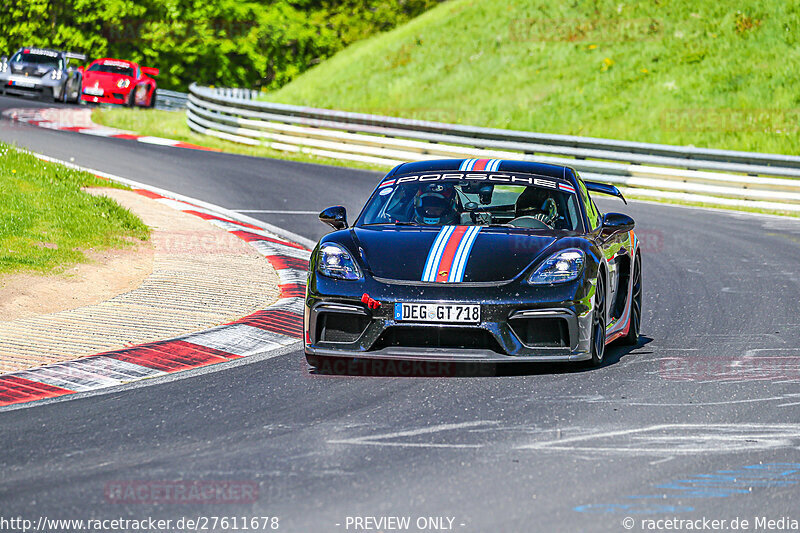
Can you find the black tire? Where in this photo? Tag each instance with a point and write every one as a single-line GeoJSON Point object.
{"type": "Point", "coordinates": [599, 319]}
{"type": "Point", "coordinates": [131, 99]}
{"type": "Point", "coordinates": [632, 338]}
{"type": "Point", "coordinates": [78, 90]}
{"type": "Point", "coordinates": [153, 98]}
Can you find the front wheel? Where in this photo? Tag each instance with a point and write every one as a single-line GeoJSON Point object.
{"type": "Point", "coordinates": [632, 338]}
{"type": "Point", "coordinates": [599, 323]}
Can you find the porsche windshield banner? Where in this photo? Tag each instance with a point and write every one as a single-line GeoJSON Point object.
{"type": "Point", "coordinates": [508, 179]}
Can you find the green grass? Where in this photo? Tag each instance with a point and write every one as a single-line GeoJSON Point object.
{"type": "Point", "coordinates": [47, 222]}
{"type": "Point", "coordinates": [719, 73]}
{"type": "Point", "coordinates": [172, 125]}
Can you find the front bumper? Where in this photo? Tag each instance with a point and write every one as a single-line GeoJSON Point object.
{"type": "Point", "coordinates": [517, 322]}
{"type": "Point", "coordinates": [30, 85]}
{"type": "Point", "coordinates": [117, 96]}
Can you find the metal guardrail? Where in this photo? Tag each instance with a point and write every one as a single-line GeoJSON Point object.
{"type": "Point", "coordinates": [171, 100]}
{"type": "Point", "coordinates": [174, 100]}
{"type": "Point", "coordinates": [656, 170]}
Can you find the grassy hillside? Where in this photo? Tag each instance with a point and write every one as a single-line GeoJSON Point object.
{"type": "Point", "coordinates": [719, 73]}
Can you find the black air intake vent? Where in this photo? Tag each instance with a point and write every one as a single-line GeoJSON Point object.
{"type": "Point", "coordinates": [340, 327]}
{"type": "Point", "coordinates": [432, 337]}
{"type": "Point", "coordinates": [541, 332]}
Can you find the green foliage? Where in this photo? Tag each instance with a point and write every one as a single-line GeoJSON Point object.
{"type": "Point", "coordinates": [715, 73]}
{"type": "Point", "coordinates": [222, 42]}
{"type": "Point", "coordinates": [47, 221]}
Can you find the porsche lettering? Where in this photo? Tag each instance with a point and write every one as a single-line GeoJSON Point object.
{"type": "Point", "coordinates": [511, 179]}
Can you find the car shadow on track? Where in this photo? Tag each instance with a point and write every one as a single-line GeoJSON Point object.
{"type": "Point", "coordinates": [335, 366]}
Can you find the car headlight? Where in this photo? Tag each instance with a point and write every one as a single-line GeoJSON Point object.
{"type": "Point", "coordinates": [336, 262]}
{"type": "Point", "coordinates": [562, 266]}
{"type": "Point", "coordinates": [122, 84]}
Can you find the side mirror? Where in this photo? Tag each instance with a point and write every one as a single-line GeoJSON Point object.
{"type": "Point", "coordinates": [335, 217]}
{"type": "Point", "coordinates": [617, 222]}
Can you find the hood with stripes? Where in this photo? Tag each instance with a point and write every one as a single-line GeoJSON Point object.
{"type": "Point", "coordinates": [449, 254]}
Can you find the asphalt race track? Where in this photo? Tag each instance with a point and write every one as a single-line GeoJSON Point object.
{"type": "Point", "coordinates": [701, 420]}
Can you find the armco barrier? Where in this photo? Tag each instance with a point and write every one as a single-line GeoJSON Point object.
{"type": "Point", "coordinates": [173, 100]}
{"type": "Point", "coordinates": [740, 178]}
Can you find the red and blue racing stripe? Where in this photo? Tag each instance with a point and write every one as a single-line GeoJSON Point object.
{"type": "Point", "coordinates": [448, 256]}
{"type": "Point", "coordinates": [487, 165]}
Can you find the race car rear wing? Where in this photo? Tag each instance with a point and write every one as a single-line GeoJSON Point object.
{"type": "Point", "coordinates": [604, 188]}
{"type": "Point", "coordinates": [73, 55]}
{"type": "Point", "coordinates": [150, 71]}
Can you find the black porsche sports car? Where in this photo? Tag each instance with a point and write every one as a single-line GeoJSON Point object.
{"type": "Point", "coordinates": [43, 73]}
{"type": "Point", "coordinates": [475, 260]}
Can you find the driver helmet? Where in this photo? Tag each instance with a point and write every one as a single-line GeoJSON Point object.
{"type": "Point", "coordinates": [435, 204]}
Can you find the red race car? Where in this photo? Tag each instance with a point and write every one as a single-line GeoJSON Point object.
{"type": "Point", "coordinates": [115, 81]}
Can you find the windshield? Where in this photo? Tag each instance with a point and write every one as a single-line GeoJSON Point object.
{"type": "Point", "coordinates": [112, 68]}
{"type": "Point", "coordinates": [46, 60]}
{"type": "Point", "coordinates": [474, 202]}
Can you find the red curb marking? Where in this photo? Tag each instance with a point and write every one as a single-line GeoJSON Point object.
{"type": "Point", "coordinates": [292, 290]}
{"type": "Point", "coordinates": [283, 322]}
{"type": "Point", "coordinates": [14, 389]}
{"type": "Point", "coordinates": [280, 262]}
{"type": "Point", "coordinates": [195, 147]}
{"type": "Point", "coordinates": [148, 194]}
{"type": "Point", "coordinates": [176, 355]}
{"type": "Point", "coordinates": [249, 237]}
{"type": "Point", "coordinates": [171, 356]}
{"type": "Point", "coordinates": [208, 216]}
{"type": "Point", "coordinates": [127, 136]}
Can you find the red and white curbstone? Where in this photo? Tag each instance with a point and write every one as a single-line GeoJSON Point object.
{"type": "Point", "coordinates": [276, 327]}
{"type": "Point", "coordinates": [80, 121]}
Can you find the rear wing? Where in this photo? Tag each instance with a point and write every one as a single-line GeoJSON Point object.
{"type": "Point", "coordinates": [604, 188]}
{"type": "Point", "coordinates": [74, 55]}
{"type": "Point", "coordinates": [150, 71]}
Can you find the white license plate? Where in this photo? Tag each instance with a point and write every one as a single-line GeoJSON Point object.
{"type": "Point", "coordinates": [23, 83]}
{"type": "Point", "coordinates": [94, 91]}
{"type": "Point", "coordinates": [458, 313]}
